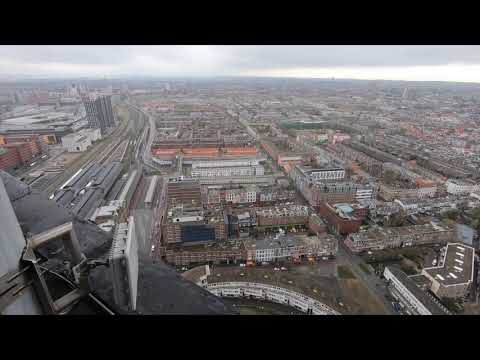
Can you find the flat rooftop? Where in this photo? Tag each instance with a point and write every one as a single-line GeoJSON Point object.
{"type": "Point", "coordinates": [286, 210]}
{"type": "Point", "coordinates": [457, 267]}
{"type": "Point", "coordinates": [325, 166]}
{"type": "Point", "coordinates": [287, 241]}
{"type": "Point", "coordinates": [212, 246]}
{"type": "Point", "coordinates": [381, 233]}
{"type": "Point", "coordinates": [39, 118]}
{"type": "Point", "coordinates": [411, 285]}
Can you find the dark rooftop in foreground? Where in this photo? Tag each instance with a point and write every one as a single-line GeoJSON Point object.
{"type": "Point", "coordinates": [161, 290]}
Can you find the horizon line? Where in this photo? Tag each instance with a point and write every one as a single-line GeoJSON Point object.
{"type": "Point", "coordinates": [180, 77]}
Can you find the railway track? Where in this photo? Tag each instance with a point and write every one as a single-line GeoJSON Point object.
{"type": "Point", "coordinates": [105, 150]}
{"type": "Point", "coordinates": [117, 154]}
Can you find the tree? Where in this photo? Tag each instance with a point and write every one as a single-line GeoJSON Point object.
{"type": "Point", "coordinates": [475, 214]}
{"type": "Point", "coordinates": [389, 176]}
{"type": "Point", "coordinates": [450, 304]}
{"type": "Point", "coordinates": [463, 205]}
{"type": "Point", "coordinates": [397, 219]}
{"type": "Point", "coordinates": [452, 214]}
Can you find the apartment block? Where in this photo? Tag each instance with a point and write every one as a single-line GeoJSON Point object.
{"type": "Point", "coordinates": [394, 237]}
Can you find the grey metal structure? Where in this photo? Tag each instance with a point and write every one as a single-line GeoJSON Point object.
{"type": "Point", "coordinates": [67, 234]}
{"type": "Point", "coordinates": [12, 244]}
{"type": "Point", "coordinates": [64, 266]}
{"type": "Point", "coordinates": [124, 265]}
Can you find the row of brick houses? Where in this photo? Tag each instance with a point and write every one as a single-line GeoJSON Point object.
{"type": "Point", "coordinates": [245, 194]}
{"type": "Point", "coordinates": [19, 150]}
{"type": "Point", "coordinates": [217, 253]}
{"type": "Point", "coordinates": [390, 193]}
{"type": "Point", "coordinates": [394, 237]}
{"type": "Point", "coordinates": [286, 247]}
{"type": "Point", "coordinates": [283, 216]}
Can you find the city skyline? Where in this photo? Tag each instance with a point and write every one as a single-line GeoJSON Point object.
{"type": "Point", "coordinates": [227, 195]}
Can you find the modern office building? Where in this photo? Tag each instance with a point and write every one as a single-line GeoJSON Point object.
{"type": "Point", "coordinates": [193, 226]}
{"type": "Point", "coordinates": [99, 112]}
{"type": "Point", "coordinates": [455, 272]}
{"type": "Point", "coordinates": [328, 184]}
{"type": "Point", "coordinates": [239, 167]}
{"type": "Point", "coordinates": [394, 237]}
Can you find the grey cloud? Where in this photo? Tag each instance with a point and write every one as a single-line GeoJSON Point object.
{"type": "Point", "coordinates": [262, 57]}
{"type": "Point", "coordinates": [80, 54]}
{"type": "Point", "coordinates": [218, 60]}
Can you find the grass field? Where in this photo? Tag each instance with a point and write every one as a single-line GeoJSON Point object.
{"type": "Point", "coordinates": [258, 307]}
{"type": "Point", "coordinates": [359, 299]}
{"type": "Point", "coordinates": [344, 272]}
{"type": "Point", "coordinates": [365, 268]}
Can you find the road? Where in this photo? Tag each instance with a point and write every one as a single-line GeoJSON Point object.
{"type": "Point", "coordinates": [376, 286]}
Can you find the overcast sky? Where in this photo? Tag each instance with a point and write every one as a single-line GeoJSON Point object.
{"type": "Point", "coordinates": [431, 63]}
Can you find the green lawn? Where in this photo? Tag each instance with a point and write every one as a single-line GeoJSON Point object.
{"type": "Point", "coordinates": [344, 272]}
{"type": "Point", "coordinates": [365, 268]}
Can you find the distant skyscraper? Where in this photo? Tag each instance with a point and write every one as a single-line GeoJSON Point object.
{"type": "Point", "coordinates": [73, 91]}
{"type": "Point", "coordinates": [371, 136]}
{"type": "Point", "coordinates": [99, 112]}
